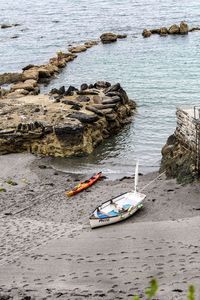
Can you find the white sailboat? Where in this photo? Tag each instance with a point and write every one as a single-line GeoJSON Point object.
{"type": "Point", "coordinates": [119, 208]}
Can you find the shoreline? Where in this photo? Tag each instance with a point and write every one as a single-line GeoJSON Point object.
{"type": "Point", "coordinates": [44, 220]}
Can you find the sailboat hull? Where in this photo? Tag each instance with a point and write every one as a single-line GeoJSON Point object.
{"type": "Point", "coordinates": [116, 209]}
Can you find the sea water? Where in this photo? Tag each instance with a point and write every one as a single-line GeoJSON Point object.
{"type": "Point", "coordinates": [159, 73]}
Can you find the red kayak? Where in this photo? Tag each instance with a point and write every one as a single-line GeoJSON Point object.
{"type": "Point", "coordinates": [84, 185]}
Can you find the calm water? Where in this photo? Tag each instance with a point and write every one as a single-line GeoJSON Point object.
{"type": "Point", "coordinates": [160, 73]}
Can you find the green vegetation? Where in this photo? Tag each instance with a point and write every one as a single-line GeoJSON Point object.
{"type": "Point", "coordinates": [2, 190]}
{"type": "Point", "coordinates": [191, 293]}
{"type": "Point", "coordinates": [11, 182]}
{"type": "Point", "coordinates": [152, 290]}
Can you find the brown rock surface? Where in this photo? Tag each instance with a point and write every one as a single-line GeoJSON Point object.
{"type": "Point", "coordinates": [184, 28]}
{"type": "Point", "coordinates": [41, 126]}
{"type": "Point", "coordinates": [28, 85]}
{"type": "Point", "coordinates": [108, 37]}
{"type": "Point", "coordinates": [174, 29]}
{"type": "Point", "coordinates": [146, 33]}
{"type": "Point", "coordinates": [163, 31]}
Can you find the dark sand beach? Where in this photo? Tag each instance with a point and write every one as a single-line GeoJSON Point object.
{"type": "Point", "coordinates": [48, 250]}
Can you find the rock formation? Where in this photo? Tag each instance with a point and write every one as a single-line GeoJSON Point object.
{"type": "Point", "coordinates": [181, 153]}
{"type": "Point", "coordinates": [29, 80]}
{"type": "Point", "coordinates": [146, 33]}
{"type": "Point", "coordinates": [109, 37]}
{"type": "Point", "coordinates": [64, 123]}
{"type": "Point", "coordinates": [183, 28]}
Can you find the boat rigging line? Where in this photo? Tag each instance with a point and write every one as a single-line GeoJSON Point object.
{"type": "Point", "coordinates": [152, 181]}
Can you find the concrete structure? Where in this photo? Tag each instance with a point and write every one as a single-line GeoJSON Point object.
{"type": "Point", "coordinates": [188, 130]}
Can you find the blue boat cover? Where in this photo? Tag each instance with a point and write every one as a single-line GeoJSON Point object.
{"type": "Point", "coordinates": [126, 206]}
{"type": "Point", "coordinates": [111, 213]}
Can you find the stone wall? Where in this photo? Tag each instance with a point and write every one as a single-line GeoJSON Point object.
{"type": "Point", "coordinates": [187, 128]}
{"type": "Point", "coordinates": [181, 153]}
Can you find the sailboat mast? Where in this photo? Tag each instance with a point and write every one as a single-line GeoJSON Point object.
{"type": "Point", "coordinates": [136, 175]}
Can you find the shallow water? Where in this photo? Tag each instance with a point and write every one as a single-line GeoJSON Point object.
{"type": "Point", "coordinates": [160, 73]}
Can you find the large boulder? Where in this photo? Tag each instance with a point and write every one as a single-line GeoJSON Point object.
{"type": "Point", "coordinates": [84, 118]}
{"type": "Point", "coordinates": [108, 37]}
{"type": "Point", "coordinates": [155, 31]}
{"type": "Point", "coordinates": [28, 85]}
{"type": "Point", "coordinates": [184, 28]}
{"type": "Point", "coordinates": [146, 33]}
{"type": "Point", "coordinates": [163, 31]}
{"type": "Point", "coordinates": [30, 74]}
{"type": "Point", "coordinates": [7, 78]}
{"type": "Point", "coordinates": [174, 29]}
{"type": "Point", "coordinates": [78, 49]}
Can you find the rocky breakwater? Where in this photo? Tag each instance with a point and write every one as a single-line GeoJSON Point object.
{"type": "Point", "coordinates": [66, 122]}
{"type": "Point", "coordinates": [109, 37]}
{"type": "Point", "coordinates": [28, 81]}
{"type": "Point", "coordinates": [181, 153]}
{"type": "Point", "coordinates": [181, 29]}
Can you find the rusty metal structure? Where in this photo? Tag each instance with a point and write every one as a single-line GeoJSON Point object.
{"type": "Point", "coordinates": [197, 126]}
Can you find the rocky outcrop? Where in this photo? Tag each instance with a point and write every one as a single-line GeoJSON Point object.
{"type": "Point", "coordinates": [181, 153]}
{"type": "Point", "coordinates": [178, 161]}
{"type": "Point", "coordinates": [183, 28]}
{"type": "Point", "coordinates": [109, 37]}
{"type": "Point", "coordinates": [60, 124]}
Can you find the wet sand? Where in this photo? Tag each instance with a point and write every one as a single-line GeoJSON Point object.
{"type": "Point", "coordinates": [48, 250]}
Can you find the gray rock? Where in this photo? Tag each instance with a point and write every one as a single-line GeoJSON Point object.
{"type": "Point", "coordinates": [94, 110]}
{"type": "Point", "coordinates": [104, 106]}
{"type": "Point", "coordinates": [72, 102]}
{"type": "Point", "coordinates": [113, 88]}
{"type": "Point", "coordinates": [107, 111]}
{"type": "Point", "coordinates": [102, 84]}
{"type": "Point", "coordinates": [155, 31]}
{"type": "Point", "coordinates": [68, 128]}
{"type": "Point", "coordinates": [84, 86]}
{"type": "Point", "coordinates": [84, 118]}
{"type": "Point", "coordinates": [5, 26]}
{"type": "Point", "coordinates": [30, 66]}
{"type": "Point", "coordinates": [70, 91]}
{"type": "Point", "coordinates": [83, 98]}
{"type": "Point", "coordinates": [115, 99]}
